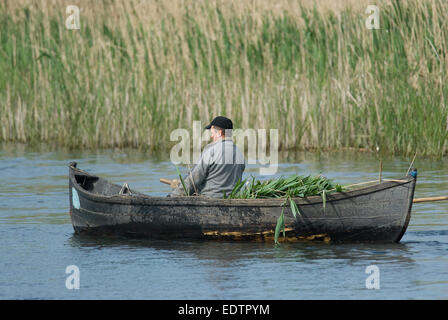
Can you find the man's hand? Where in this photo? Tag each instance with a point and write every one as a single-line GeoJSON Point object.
{"type": "Point", "coordinates": [174, 183]}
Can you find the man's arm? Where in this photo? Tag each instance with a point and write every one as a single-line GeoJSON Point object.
{"type": "Point", "coordinates": [194, 180]}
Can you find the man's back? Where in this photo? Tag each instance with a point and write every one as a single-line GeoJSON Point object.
{"type": "Point", "coordinates": [219, 169]}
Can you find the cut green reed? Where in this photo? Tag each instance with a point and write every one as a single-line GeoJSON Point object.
{"type": "Point", "coordinates": [187, 193]}
{"type": "Point", "coordinates": [285, 188]}
{"type": "Point", "coordinates": [137, 70]}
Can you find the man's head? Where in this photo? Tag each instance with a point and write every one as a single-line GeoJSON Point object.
{"type": "Point", "coordinates": [221, 127]}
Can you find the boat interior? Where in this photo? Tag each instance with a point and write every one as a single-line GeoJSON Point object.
{"type": "Point", "coordinates": [98, 186]}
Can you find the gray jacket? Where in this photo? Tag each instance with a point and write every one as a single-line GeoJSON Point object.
{"type": "Point", "coordinates": [219, 169]}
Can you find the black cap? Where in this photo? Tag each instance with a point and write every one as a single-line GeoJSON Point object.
{"type": "Point", "coordinates": [222, 122]}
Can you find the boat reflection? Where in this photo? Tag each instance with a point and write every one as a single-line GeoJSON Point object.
{"type": "Point", "coordinates": [235, 252]}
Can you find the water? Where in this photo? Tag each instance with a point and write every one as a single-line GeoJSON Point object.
{"type": "Point", "coordinates": [38, 243]}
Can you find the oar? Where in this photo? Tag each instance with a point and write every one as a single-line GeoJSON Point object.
{"type": "Point", "coordinates": [417, 200]}
{"type": "Point", "coordinates": [430, 199]}
{"type": "Point", "coordinates": [165, 181]}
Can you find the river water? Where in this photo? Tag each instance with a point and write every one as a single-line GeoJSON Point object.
{"type": "Point", "coordinates": [38, 242]}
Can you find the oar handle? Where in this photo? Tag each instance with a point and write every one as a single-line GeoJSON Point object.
{"type": "Point", "coordinates": [430, 199]}
{"type": "Point", "coordinates": [165, 181]}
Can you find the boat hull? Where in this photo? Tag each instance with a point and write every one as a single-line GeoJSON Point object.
{"type": "Point", "coordinates": [378, 213]}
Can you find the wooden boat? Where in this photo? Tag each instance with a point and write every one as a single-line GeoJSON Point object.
{"type": "Point", "coordinates": [376, 213]}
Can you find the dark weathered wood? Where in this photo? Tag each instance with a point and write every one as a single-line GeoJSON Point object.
{"type": "Point", "coordinates": [377, 213]}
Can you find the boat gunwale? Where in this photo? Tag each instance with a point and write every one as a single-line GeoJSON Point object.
{"type": "Point", "coordinates": [143, 199]}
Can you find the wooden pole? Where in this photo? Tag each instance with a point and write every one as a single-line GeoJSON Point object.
{"type": "Point", "coordinates": [165, 181]}
{"type": "Point", "coordinates": [411, 163]}
{"type": "Point", "coordinates": [417, 200]}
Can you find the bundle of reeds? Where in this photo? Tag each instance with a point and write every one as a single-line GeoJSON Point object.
{"type": "Point", "coordinates": [287, 188]}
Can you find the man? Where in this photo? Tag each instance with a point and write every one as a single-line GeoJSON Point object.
{"type": "Point", "coordinates": [220, 167]}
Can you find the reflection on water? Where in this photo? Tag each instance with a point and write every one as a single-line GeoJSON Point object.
{"type": "Point", "coordinates": [38, 240]}
{"type": "Point", "coordinates": [234, 251]}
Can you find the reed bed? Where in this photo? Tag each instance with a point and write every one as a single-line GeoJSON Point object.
{"type": "Point", "coordinates": [136, 70]}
